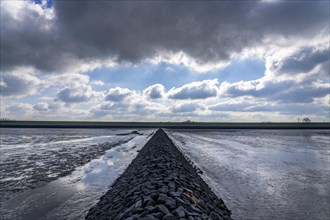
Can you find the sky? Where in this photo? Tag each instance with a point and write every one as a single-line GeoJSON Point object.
{"type": "Point", "coordinates": [231, 61]}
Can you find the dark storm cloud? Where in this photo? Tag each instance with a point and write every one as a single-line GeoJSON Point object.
{"type": "Point", "coordinates": [287, 18]}
{"type": "Point", "coordinates": [26, 42]}
{"type": "Point", "coordinates": [132, 31]}
{"type": "Point", "coordinates": [303, 60]}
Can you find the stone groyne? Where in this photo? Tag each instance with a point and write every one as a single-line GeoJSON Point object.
{"type": "Point", "coordinates": [159, 184]}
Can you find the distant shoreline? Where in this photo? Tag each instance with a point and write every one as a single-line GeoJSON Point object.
{"type": "Point", "coordinates": [169, 125]}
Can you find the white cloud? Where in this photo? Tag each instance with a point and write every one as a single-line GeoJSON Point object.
{"type": "Point", "coordinates": [20, 82]}
{"type": "Point", "coordinates": [181, 58]}
{"type": "Point", "coordinates": [298, 59]}
{"type": "Point", "coordinates": [155, 91]}
{"type": "Point", "coordinates": [18, 111]}
{"type": "Point", "coordinates": [70, 80]}
{"type": "Point", "coordinates": [97, 83]}
{"type": "Point", "coordinates": [195, 90]}
{"type": "Point", "coordinates": [286, 91]}
{"type": "Point", "coordinates": [19, 8]}
{"type": "Point", "coordinates": [41, 106]}
{"type": "Point", "coordinates": [122, 103]}
{"type": "Point", "coordinates": [118, 94]}
{"type": "Point", "coordinates": [187, 107]}
{"type": "Point", "coordinates": [82, 93]}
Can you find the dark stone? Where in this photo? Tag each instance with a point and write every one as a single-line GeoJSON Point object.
{"type": "Point", "coordinates": [162, 198]}
{"type": "Point", "coordinates": [170, 217]}
{"type": "Point", "coordinates": [150, 208]}
{"type": "Point", "coordinates": [138, 210]}
{"type": "Point", "coordinates": [175, 194]}
{"type": "Point", "coordinates": [215, 216]}
{"type": "Point", "coordinates": [138, 204]}
{"type": "Point", "coordinates": [158, 215]}
{"type": "Point", "coordinates": [163, 209]}
{"type": "Point", "coordinates": [187, 190]}
{"type": "Point", "coordinates": [181, 202]}
{"type": "Point", "coordinates": [146, 192]}
{"type": "Point", "coordinates": [171, 185]}
{"type": "Point", "coordinates": [170, 203]}
{"type": "Point", "coordinates": [151, 202]}
{"type": "Point", "coordinates": [133, 217]}
{"type": "Point", "coordinates": [180, 212]}
{"type": "Point", "coordinates": [148, 217]}
{"type": "Point", "coordinates": [194, 208]}
{"type": "Point", "coordinates": [164, 189]}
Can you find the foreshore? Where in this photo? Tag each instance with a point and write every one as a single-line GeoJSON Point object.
{"type": "Point", "coordinates": [160, 183]}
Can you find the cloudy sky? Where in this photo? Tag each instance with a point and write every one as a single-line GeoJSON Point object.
{"type": "Point", "coordinates": [263, 60]}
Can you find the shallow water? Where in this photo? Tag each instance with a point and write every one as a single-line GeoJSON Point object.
{"type": "Point", "coordinates": [261, 174]}
{"type": "Point", "coordinates": [60, 192]}
{"type": "Point", "coordinates": [264, 174]}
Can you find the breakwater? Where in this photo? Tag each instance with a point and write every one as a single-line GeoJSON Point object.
{"type": "Point", "coordinates": [159, 184]}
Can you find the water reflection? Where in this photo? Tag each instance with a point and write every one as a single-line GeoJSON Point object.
{"type": "Point", "coordinates": [72, 196]}
{"type": "Point", "coordinates": [264, 174]}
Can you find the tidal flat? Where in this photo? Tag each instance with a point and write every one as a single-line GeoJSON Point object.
{"type": "Point", "coordinates": [260, 174]}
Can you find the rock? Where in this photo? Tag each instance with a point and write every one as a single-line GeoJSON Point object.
{"type": "Point", "coordinates": [150, 208]}
{"type": "Point", "coordinates": [145, 200]}
{"type": "Point", "coordinates": [145, 213]}
{"type": "Point", "coordinates": [133, 217]}
{"type": "Point", "coordinates": [171, 185]}
{"type": "Point", "coordinates": [162, 198]}
{"type": "Point", "coordinates": [148, 217]}
{"type": "Point", "coordinates": [138, 210]}
{"type": "Point", "coordinates": [146, 191]}
{"type": "Point", "coordinates": [151, 202]}
{"type": "Point", "coordinates": [175, 194]}
{"type": "Point", "coordinates": [215, 216]}
{"type": "Point", "coordinates": [138, 204]}
{"type": "Point", "coordinates": [194, 208]}
{"type": "Point", "coordinates": [154, 195]}
{"type": "Point", "coordinates": [187, 190]}
{"type": "Point", "coordinates": [170, 217]}
{"type": "Point", "coordinates": [163, 209]}
{"type": "Point", "coordinates": [164, 189]}
{"type": "Point", "coordinates": [158, 215]}
{"type": "Point", "coordinates": [170, 203]}
{"type": "Point", "coordinates": [181, 202]}
{"type": "Point", "coordinates": [180, 212]}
